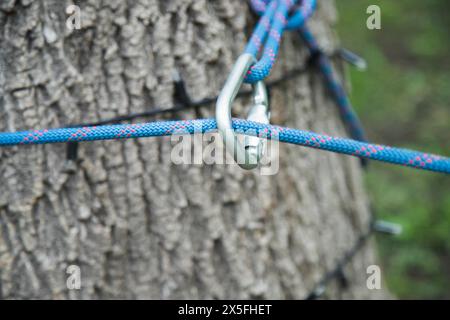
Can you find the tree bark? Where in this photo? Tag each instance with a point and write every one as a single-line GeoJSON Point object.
{"type": "Point", "coordinates": [137, 225]}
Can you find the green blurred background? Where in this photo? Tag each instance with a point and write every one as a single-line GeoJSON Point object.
{"type": "Point", "coordinates": [403, 99]}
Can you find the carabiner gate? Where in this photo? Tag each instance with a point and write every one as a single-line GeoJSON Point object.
{"type": "Point", "coordinates": [248, 155]}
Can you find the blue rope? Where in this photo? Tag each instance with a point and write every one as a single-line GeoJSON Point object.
{"type": "Point", "coordinates": [271, 26]}
{"type": "Point", "coordinates": [296, 20]}
{"type": "Point", "coordinates": [269, 31]}
{"type": "Point", "coordinates": [359, 149]}
{"type": "Point", "coordinates": [267, 8]}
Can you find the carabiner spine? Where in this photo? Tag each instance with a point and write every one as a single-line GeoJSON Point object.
{"type": "Point", "coordinates": [223, 112]}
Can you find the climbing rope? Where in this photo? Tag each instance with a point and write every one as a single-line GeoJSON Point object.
{"type": "Point", "coordinates": [297, 21]}
{"type": "Point", "coordinates": [269, 31]}
{"type": "Point", "coordinates": [274, 21]}
{"type": "Point", "coordinates": [365, 150]}
{"type": "Point", "coordinates": [277, 16]}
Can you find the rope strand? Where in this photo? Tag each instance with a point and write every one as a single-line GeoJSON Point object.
{"type": "Point", "coordinates": [269, 31]}
{"type": "Point", "coordinates": [359, 149]}
{"type": "Point", "coordinates": [297, 21]}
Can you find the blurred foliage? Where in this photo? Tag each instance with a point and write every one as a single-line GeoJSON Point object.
{"type": "Point", "coordinates": [404, 100]}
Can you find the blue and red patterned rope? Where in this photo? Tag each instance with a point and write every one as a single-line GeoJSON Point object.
{"type": "Point", "coordinates": [269, 30]}
{"type": "Point", "coordinates": [266, 8]}
{"type": "Point", "coordinates": [359, 149]}
{"type": "Point", "coordinates": [274, 21]}
{"type": "Point", "coordinates": [299, 16]}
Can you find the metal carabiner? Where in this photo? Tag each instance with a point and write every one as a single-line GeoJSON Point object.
{"type": "Point", "coordinates": [248, 155]}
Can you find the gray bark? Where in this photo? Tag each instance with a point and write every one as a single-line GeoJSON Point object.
{"type": "Point", "coordinates": [137, 225]}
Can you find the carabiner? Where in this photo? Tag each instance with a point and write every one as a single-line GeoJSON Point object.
{"type": "Point", "coordinates": [248, 155]}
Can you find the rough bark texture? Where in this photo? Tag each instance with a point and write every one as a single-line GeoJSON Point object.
{"type": "Point", "coordinates": [137, 225]}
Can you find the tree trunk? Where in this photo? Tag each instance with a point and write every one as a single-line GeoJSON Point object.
{"type": "Point", "coordinates": [137, 225]}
